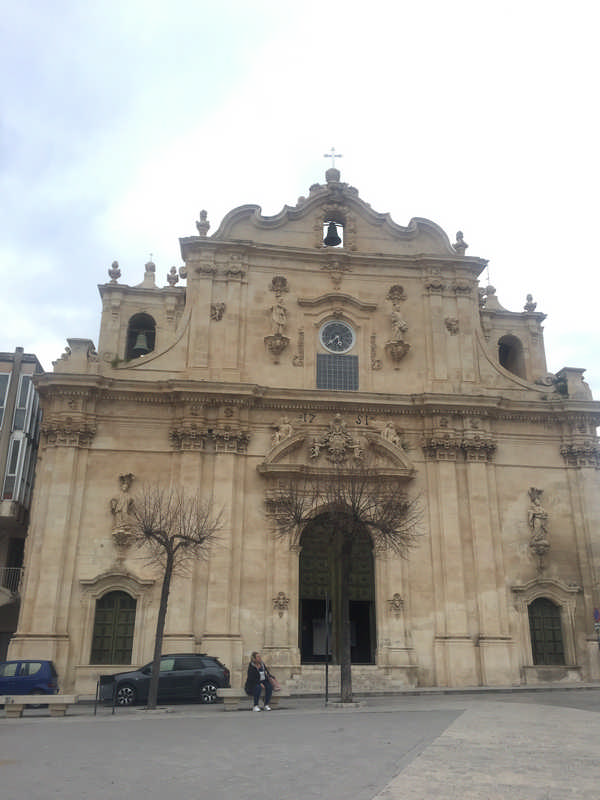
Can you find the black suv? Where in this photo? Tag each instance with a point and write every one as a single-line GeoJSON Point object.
{"type": "Point", "coordinates": [192, 676]}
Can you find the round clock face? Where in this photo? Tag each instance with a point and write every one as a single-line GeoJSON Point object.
{"type": "Point", "coordinates": [337, 337]}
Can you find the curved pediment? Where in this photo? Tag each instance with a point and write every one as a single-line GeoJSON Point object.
{"type": "Point", "coordinates": [332, 299]}
{"type": "Point", "coordinates": [365, 230]}
{"type": "Point", "coordinates": [332, 451]}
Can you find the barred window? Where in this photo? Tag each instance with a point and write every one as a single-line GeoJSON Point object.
{"type": "Point", "coordinates": [338, 372]}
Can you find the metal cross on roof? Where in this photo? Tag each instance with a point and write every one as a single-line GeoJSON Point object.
{"type": "Point", "coordinates": [332, 155]}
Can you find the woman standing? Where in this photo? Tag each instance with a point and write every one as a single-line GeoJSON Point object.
{"type": "Point", "coordinates": [257, 680]}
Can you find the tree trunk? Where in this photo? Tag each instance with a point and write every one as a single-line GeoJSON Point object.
{"type": "Point", "coordinates": [160, 627]}
{"type": "Point", "coordinates": [346, 643]}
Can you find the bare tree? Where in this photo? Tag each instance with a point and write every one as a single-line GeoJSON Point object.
{"type": "Point", "coordinates": [349, 501]}
{"type": "Point", "coordinates": [173, 528]}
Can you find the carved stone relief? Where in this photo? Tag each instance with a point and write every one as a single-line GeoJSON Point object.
{"type": "Point", "coordinates": [390, 434]}
{"type": "Point", "coordinates": [337, 443]}
{"type": "Point", "coordinates": [375, 362]}
{"type": "Point", "coordinates": [396, 604]}
{"type": "Point", "coordinates": [336, 270]}
{"type": "Point", "coordinates": [283, 430]}
{"type": "Point", "coordinates": [451, 325]}
{"type": "Point", "coordinates": [298, 360]}
{"type": "Point", "coordinates": [216, 311]}
{"type": "Point", "coordinates": [281, 603]}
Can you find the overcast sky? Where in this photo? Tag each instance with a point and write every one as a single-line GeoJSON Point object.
{"type": "Point", "coordinates": [122, 119]}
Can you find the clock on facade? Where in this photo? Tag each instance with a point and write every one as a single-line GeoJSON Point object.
{"type": "Point", "coordinates": [337, 337]}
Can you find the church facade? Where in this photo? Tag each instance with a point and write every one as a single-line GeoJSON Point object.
{"type": "Point", "coordinates": [301, 342]}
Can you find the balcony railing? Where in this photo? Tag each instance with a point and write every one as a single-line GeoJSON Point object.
{"type": "Point", "coordinates": [11, 578]}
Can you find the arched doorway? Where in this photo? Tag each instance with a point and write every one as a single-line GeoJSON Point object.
{"type": "Point", "coordinates": [546, 632]}
{"type": "Point", "coordinates": [320, 582]}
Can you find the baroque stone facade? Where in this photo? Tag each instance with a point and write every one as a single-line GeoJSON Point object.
{"type": "Point", "coordinates": [282, 356]}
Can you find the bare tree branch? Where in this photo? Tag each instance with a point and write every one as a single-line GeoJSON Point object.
{"type": "Point", "coordinates": [172, 528]}
{"type": "Point", "coordinates": [355, 498]}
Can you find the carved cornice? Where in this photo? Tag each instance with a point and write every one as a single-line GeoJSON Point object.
{"type": "Point", "coordinates": [336, 298]}
{"type": "Point", "coordinates": [213, 394]}
{"type": "Point", "coordinates": [68, 432]}
{"type": "Point", "coordinates": [224, 439]}
{"type": "Point", "coordinates": [447, 445]}
{"type": "Point", "coordinates": [581, 453]}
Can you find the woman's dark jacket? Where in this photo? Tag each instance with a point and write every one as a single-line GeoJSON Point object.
{"type": "Point", "coordinates": [253, 678]}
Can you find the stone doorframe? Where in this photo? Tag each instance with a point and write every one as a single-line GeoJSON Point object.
{"type": "Point", "coordinates": [293, 458]}
{"type": "Point", "coordinates": [97, 587]}
{"type": "Point", "coordinates": [564, 596]}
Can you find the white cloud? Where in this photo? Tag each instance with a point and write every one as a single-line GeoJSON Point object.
{"type": "Point", "coordinates": [125, 119]}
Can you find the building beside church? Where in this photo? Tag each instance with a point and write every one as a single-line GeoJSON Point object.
{"type": "Point", "coordinates": [300, 342]}
{"type": "Point", "coordinates": [19, 436]}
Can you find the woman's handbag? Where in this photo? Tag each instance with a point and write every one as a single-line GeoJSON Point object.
{"type": "Point", "coordinates": [274, 683]}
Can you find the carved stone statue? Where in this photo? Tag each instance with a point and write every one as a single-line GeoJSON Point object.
{"type": "Point", "coordinates": [278, 318]}
{"type": "Point", "coordinates": [389, 434]}
{"type": "Point", "coordinates": [216, 311]}
{"type": "Point", "coordinates": [283, 430]}
{"type": "Point", "coordinates": [122, 505]}
{"type": "Point", "coordinates": [537, 518]}
{"type": "Point", "coordinates": [399, 325]}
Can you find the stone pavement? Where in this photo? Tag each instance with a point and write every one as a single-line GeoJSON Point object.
{"type": "Point", "coordinates": [519, 745]}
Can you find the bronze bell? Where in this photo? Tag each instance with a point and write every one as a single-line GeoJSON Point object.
{"type": "Point", "coordinates": [332, 239]}
{"type": "Point", "coordinates": [140, 347]}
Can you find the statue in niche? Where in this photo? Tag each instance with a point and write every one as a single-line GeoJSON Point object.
{"type": "Point", "coordinates": [537, 518]}
{"type": "Point", "coordinates": [283, 430]}
{"type": "Point", "coordinates": [122, 506]}
{"type": "Point", "coordinates": [278, 318]}
{"type": "Point", "coordinates": [399, 325]}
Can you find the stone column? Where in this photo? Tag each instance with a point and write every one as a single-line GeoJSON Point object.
{"type": "Point", "coordinates": [199, 287]}
{"type": "Point", "coordinates": [581, 452]}
{"type": "Point", "coordinates": [52, 541]}
{"type": "Point", "coordinates": [494, 642]}
{"type": "Point", "coordinates": [435, 333]}
{"type": "Point", "coordinates": [222, 631]}
{"type": "Point", "coordinates": [454, 652]}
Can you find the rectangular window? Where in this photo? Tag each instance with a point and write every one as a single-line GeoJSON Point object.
{"type": "Point", "coordinates": [337, 372]}
{"type": "Point", "coordinates": [4, 381]}
{"type": "Point", "coordinates": [11, 470]}
{"type": "Point", "coordinates": [21, 405]}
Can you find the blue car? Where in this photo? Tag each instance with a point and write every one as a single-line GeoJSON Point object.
{"type": "Point", "coordinates": [26, 676]}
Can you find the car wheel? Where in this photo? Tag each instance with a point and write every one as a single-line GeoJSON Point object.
{"type": "Point", "coordinates": [208, 692]}
{"type": "Point", "coordinates": [126, 695]}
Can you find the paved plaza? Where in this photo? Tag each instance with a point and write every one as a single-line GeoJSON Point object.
{"type": "Point", "coordinates": [522, 745]}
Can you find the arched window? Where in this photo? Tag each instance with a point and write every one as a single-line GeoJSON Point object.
{"type": "Point", "coordinates": [114, 622]}
{"type": "Point", "coordinates": [510, 355]}
{"type": "Point", "coordinates": [546, 632]}
{"type": "Point", "coordinates": [141, 336]}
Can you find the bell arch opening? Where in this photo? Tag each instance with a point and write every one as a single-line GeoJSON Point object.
{"type": "Point", "coordinates": [321, 586]}
{"type": "Point", "coordinates": [511, 355]}
{"type": "Point", "coordinates": [141, 336]}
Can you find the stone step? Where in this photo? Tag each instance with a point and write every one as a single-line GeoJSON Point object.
{"type": "Point", "coordinates": [366, 678]}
